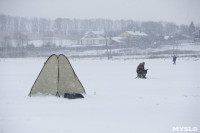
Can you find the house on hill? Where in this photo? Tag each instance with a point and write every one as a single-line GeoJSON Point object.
{"type": "Point", "coordinates": [133, 35]}
{"type": "Point", "coordinates": [93, 38]}
{"type": "Point", "coordinates": [196, 35]}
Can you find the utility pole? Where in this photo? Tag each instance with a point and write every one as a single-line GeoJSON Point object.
{"type": "Point", "coordinates": [176, 44]}
{"type": "Point", "coordinates": [110, 40]}
{"type": "Point", "coordinates": [107, 47]}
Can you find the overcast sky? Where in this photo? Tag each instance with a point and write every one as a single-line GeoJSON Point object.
{"type": "Point", "coordinates": [177, 11]}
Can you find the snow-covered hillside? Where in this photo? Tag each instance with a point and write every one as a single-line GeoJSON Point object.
{"type": "Point", "coordinates": [115, 102]}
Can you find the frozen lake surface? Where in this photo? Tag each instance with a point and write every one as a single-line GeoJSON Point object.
{"type": "Point", "coordinates": [115, 102]}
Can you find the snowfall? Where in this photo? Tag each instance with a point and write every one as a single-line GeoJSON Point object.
{"type": "Point", "coordinates": [115, 100]}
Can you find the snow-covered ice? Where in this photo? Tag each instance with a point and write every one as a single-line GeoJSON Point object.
{"type": "Point", "coordinates": [115, 102]}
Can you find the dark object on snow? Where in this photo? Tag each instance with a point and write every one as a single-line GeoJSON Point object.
{"type": "Point", "coordinates": [141, 72]}
{"type": "Point", "coordinates": [73, 95]}
{"type": "Point", "coordinates": [174, 60]}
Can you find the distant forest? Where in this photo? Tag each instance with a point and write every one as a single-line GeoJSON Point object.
{"type": "Point", "coordinates": [35, 28]}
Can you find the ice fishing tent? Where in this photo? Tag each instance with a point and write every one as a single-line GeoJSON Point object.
{"type": "Point", "coordinates": [57, 77]}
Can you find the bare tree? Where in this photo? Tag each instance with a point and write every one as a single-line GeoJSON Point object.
{"type": "Point", "coordinates": [21, 39]}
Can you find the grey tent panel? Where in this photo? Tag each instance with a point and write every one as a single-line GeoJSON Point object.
{"type": "Point", "coordinates": [68, 81]}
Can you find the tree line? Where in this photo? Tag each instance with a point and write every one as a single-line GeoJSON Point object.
{"type": "Point", "coordinates": [75, 28]}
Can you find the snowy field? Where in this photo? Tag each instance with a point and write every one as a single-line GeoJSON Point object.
{"type": "Point", "coordinates": [115, 102]}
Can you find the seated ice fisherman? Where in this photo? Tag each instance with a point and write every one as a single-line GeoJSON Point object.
{"type": "Point", "coordinates": [141, 72]}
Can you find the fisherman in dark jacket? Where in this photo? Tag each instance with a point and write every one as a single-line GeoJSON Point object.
{"type": "Point", "coordinates": [174, 59]}
{"type": "Point", "coordinates": [141, 72]}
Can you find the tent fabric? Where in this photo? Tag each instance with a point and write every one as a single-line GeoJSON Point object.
{"type": "Point", "coordinates": [68, 81]}
{"type": "Point", "coordinates": [46, 82]}
{"type": "Point", "coordinates": [57, 77]}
